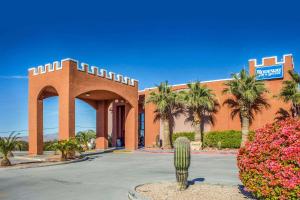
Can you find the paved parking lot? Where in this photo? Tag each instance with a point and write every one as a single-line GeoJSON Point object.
{"type": "Point", "coordinates": [109, 176]}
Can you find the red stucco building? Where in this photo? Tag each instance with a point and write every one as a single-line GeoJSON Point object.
{"type": "Point", "coordinates": [120, 109]}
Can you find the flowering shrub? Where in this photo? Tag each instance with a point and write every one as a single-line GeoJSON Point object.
{"type": "Point", "coordinates": [269, 166]}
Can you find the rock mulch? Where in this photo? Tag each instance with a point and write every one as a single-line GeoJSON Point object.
{"type": "Point", "coordinates": [168, 191]}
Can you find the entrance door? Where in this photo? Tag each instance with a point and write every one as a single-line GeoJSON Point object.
{"type": "Point", "coordinates": [121, 125]}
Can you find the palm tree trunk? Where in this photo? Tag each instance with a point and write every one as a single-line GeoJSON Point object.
{"type": "Point", "coordinates": [245, 130]}
{"type": "Point", "coordinates": [198, 135]}
{"type": "Point", "coordinates": [5, 161]}
{"type": "Point", "coordinates": [166, 135]}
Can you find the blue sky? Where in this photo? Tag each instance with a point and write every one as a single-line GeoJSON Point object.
{"type": "Point", "coordinates": [151, 41]}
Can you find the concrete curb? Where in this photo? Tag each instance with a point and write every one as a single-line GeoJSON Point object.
{"type": "Point", "coordinates": [193, 152]}
{"type": "Point", "coordinates": [98, 152]}
{"type": "Point", "coordinates": [133, 195]}
{"type": "Point", "coordinates": [46, 165]}
{"type": "Point", "coordinates": [36, 160]}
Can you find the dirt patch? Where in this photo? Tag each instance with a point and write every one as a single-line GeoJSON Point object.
{"type": "Point", "coordinates": [168, 191]}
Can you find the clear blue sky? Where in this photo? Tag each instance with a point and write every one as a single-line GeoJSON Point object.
{"type": "Point", "coordinates": [151, 41]}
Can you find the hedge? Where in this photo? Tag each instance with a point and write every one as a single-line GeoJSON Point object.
{"type": "Point", "coordinates": [226, 139]}
{"type": "Point", "coordinates": [189, 135]}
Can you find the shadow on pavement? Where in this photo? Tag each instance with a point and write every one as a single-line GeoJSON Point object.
{"type": "Point", "coordinates": [192, 182]}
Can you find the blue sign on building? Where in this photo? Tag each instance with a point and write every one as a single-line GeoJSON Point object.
{"type": "Point", "coordinates": [269, 72]}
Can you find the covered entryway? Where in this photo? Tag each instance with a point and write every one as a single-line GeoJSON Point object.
{"type": "Point", "coordinates": [98, 88]}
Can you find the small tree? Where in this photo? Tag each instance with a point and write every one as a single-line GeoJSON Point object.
{"type": "Point", "coordinates": [7, 145]}
{"type": "Point", "coordinates": [290, 93]}
{"type": "Point", "coordinates": [246, 99]}
{"type": "Point", "coordinates": [84, 137]}
{"type": "Point", "coordinates": [66, 148]}
{"type": "Point", "coordinates": [201, 105]}
{"type": "Point", "coordinates": [167, 108]}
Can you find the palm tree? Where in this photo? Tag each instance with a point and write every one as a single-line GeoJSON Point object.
{"type": "Point", "coordinates": [247, 99]}
{"type": "Point", "coordinates": [84, 137]}
{"type": "Point", "coordinates": [201, 105]}
{"type": "Point", "coordinates": [7, 145]}
{"type": "Point", "coordinates": [168, 107]}
{"type": "Point", "coordinates": [282, 114]}
{"type": "Point", "coordinates": [67, 148]}
{"type": "Point", "coordinates": [290, 92]}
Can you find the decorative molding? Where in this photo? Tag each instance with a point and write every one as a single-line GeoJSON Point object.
{"type": "Point", "coordinates": [84, 67]}
{"type": "Point", "coordinates": [283, 60]}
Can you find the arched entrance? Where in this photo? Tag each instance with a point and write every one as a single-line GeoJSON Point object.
{"type": "Point", "coordinates": [97, 88]}
{"type": "Point", "coordinates": [108, 103]}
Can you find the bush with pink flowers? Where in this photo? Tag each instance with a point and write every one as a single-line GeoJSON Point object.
{"type": "Point", "coordinates": [269, 166]}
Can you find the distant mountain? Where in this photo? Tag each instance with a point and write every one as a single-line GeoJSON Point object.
{"type": "Point", "coordinates": [47, 137]}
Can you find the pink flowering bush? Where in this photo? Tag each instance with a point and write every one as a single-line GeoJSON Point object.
{"type": "Point", "coordinates": [269, 166]}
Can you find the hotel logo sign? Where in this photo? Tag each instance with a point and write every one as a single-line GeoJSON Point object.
{"type": "Point", "coordinates": [269, 72]}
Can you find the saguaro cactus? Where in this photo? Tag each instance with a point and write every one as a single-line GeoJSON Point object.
{"type": "Point", "coordinates": [182, 159]}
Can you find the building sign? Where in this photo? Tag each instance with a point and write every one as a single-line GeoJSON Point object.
{"type": "Point", "coordinates": [269, 72]}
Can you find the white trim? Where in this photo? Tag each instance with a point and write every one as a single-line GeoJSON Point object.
{"type": "Point", "coordinates": [35, 72]}
{"type": "Point", "coordinates": [57, 65]}
{"type": "Point", "coordinates": [125, 80]}
{"type": "Point", "coordinates": [93, 68]}
{"type": "Point", "coordinates": [131, 82]}
{"type": "Point", "coordinates": [182, 84]}
{"type": "Point", "coordinates": [41, 69]}
{"type": "Point", "coordinates": [110, 75]}
{"type": "Point", "coordinates": [270, 57]}
{"type": "Point", "coordinates": [81, 67]}
{"type": "Point", "coordinates": [50, 67]}
{"type": "Point", "coordinates": [118, 77]}
{"type": "Point", "coordinates": [102, 72]}
{"type": "Point", "coordinates": [71, 59]}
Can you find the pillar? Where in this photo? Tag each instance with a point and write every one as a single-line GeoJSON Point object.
{"type": "Point", "coordinates": [131, 126]}
{"type": "Point", "coordinates": [114, 125]}
{"type": "Point", "coordinates": [102, 125]}
{"type": "Point", "coordinates": [152, 127]}
{"type": "Point", "coordinates": [35, 120]}
{"type": "Point", "coordinates": [66, 117]}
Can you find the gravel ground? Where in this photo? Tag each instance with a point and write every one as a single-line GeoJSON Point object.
{"type": "Point", "coordinates": [168, 191]}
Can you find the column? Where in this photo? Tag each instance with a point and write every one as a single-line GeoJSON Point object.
{"type": "Point", "coordinates": [131, 126]}
{"type": "Point", "coordinates": [35, 124]}
{"type": "Point", "coordinates": [66, 117]}
{"type": "Point", "coordinates": [101, 125]}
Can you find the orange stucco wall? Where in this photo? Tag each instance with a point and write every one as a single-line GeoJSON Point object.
{"type": "Point", "coordinates": [223, 118]}
{"type": "Point", "coordinates": [105, 92]}
{"type": "Point", "coordinates": [97, 88]}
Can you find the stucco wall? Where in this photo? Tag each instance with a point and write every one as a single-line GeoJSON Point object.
{"type": "Point", "coordinates": [223, 120]}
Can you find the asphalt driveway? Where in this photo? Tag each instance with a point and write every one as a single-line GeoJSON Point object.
{"type": "Point", "coordinates": [109, 176]}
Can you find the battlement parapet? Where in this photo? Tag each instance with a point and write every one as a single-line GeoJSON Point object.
{"type": "Point", "coordinates": [264, 59]}
{"type": "Point", "coordinates": [83, 67]}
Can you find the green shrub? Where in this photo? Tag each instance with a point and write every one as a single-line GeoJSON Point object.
{"type": "Point", "coordinates": [48, 145]}
{"type": "Point", "coordinates": [22, 146]}
{"type": "Point", "coordinates": [218, 139]}
{"type": "Point", "coordinates": [189, 135]}
{"type": "Point", "coordinates": [223, 139]}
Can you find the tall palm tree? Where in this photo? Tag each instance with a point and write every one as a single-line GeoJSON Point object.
{"type": "Point", "coordinates": [7, 145]}
{"type": "Point", "coordinates": [290, 93]}
{"type": "Point", "coordinates": [247, 98]}
{"type": "Point", "coordinates": [201, 105]}
{"type": "Point", "coordinates": [168, 107]}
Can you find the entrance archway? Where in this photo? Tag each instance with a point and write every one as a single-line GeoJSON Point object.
{"type": "Point", "coordinates": [108, 103]}
{"type": "Point", "coordinates": [97, 88]}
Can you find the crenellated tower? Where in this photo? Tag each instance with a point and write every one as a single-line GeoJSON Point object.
{"type": "Point", "coordinates": [69, 79]}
